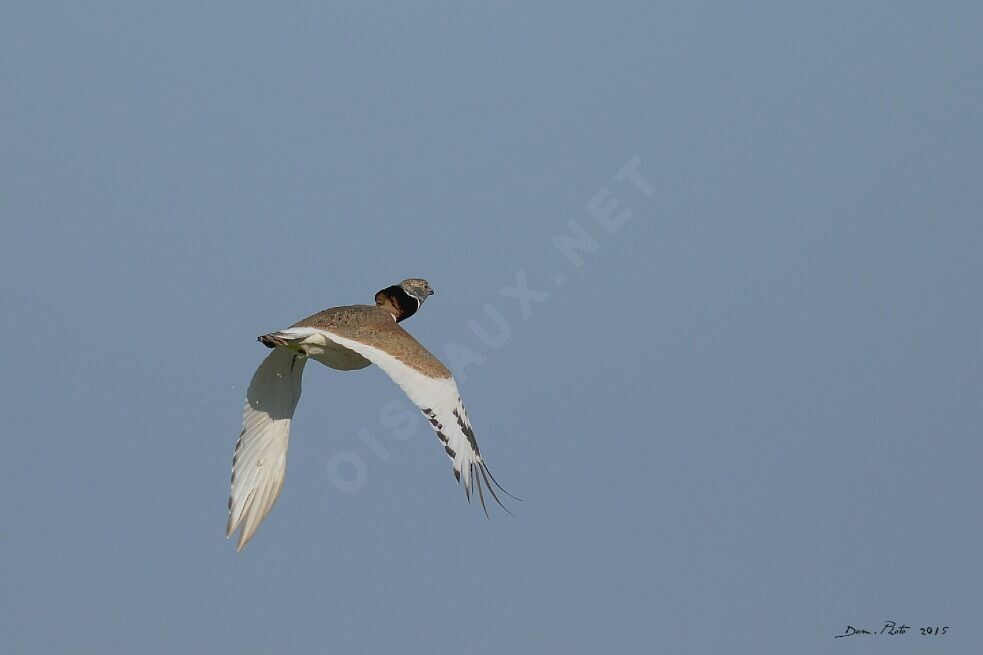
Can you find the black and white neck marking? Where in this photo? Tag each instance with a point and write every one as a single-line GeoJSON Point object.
{"type": "Point", "coordinates": [398, 302]}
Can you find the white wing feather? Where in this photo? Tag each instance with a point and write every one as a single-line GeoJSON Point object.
{"type": "Point", "coordinates": [260, 461]}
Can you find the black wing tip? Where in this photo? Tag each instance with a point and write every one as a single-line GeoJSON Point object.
{"type": "Point", "coordinates": [485, 473]}
{"type": "Point", "coordinates": [481, 494]}
{"type": "Point", "coordinates": [474, 479]}
{"type": "Point", "coordinates": [500, 487]}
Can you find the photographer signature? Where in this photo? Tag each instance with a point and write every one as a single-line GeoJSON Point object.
{"type": "Point", "coordinates": [892, 628]}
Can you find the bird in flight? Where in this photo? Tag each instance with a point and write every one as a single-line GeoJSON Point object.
{"type": "Point", "coordinates": [345, 338]}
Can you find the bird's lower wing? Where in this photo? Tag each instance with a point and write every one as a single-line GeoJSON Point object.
{"type": "Point", "coordinates": [260, 461]}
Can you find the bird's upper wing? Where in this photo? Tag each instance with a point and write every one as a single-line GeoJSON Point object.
{"type": "Point", "coordinates": [429, 385]}
{"type": "Point", "coordinates": [260, 461]}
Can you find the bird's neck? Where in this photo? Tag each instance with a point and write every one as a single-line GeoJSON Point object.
{"type": "Point", "coordinates": [397, 302]}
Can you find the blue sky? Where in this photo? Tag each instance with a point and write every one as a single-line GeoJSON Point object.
{"type": "Point", "coordinates": [748, 417]}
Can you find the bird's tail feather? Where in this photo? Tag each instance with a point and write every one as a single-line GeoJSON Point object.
{"type": "Point", "coordinates": [273, 339]}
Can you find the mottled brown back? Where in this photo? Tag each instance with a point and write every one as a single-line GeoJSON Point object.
{"type": "Point", "coordinates": [376, 327]}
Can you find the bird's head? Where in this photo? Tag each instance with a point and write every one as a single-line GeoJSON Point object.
{"type": "Point", "coordinates": [417, 288]}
